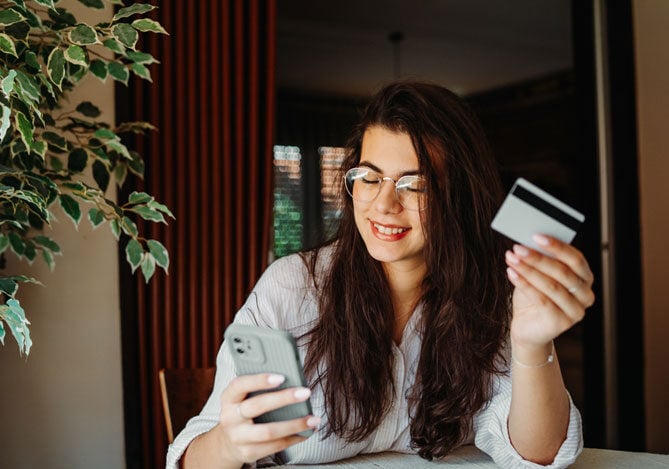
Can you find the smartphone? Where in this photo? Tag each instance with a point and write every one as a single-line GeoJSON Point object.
{"type": "Point", "coordinates": [261, 350]}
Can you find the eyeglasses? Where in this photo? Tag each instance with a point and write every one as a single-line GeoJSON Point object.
{"type": "Point", "coordinates": [364, 184]}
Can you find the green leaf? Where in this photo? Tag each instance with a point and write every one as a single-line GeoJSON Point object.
{"type": "Point", "coordinates": [18, 30]}
{"type": "Point", "coordinates": [118, 72]}
{"type": "Point", "coordinates": [136, 165]}
{"type": "Point", "coordinates": [148, 266]}
{"type": "Point", "coordinates": [28, 87]}
{"type": "Point", "coordinates": [159, 253]}
{"type": "Point", "coordinates": [120, 173]}
{"type": "Point", "coordinates": [56, 163]}
{"type": "Point", "coordinates": [71, 208]}
{"type": "Point", "coordinates": [76, 186]}
{"type": "Point", "coordinates": [76, 55]}
{"type": "Point", "coordinates": [118, 147]}
{"type": "Point", "coordinates": [105, 134]}
{"type": "Point", "coordinates": [56, 66]}
{"type": "Point", "coordinates": [137, 127]}
{"type": "Point", "coordinates": [141, 71]}
{"type": "Point", "coordinates": [161, 208]}
{"type": "Point", "coordinates": [4, 243]}
{"type": "Point", "coordinates": [25, 129]}
{"type": "Point", "coordinates": [16, 243]}
{"type": "Point", "coordinates": [48, 259]}
{"type": "Point", "coordinates": [139, 197]}
{"type": "Point", "coordinates": [7, 44]}
{"type": "Point", "coordinates": [7, 83]}
{"type": "Point", "coordinates": [101, 156]}
{"type": "Point", "coordinates": [83, 35]}
{"type": "Point", "coordinates": [148, 213]}
{"type": "Point", "coordinates": [114, 46]}
{"type": "Point", "coordinates": [46, 3]}
{"type": "Point", "coordinates": [88, 109]}
{"type": "Point", "coordinates": [129, 227]}
{"type": "Point", "coordinates": [15, 317]}
{"type": "Point", "coordinates": [31, 61]}
{"type": "Point", "coordinates": [134, 253]}
{"type": "Point", "coordinates": [93, 3]}
{"type": "Point", "coordinates": [55, 140]}
{"type": "Point", "coordinates": [96, 217]}
{"type": "Point", "coordinates": [101, 175]}
{"type": "Point", "coordinates": [125, 34]}
{"type": "Point", "coordinates": [8, 286]}
{"type": "Point", "coordinates": [48, 120]}
{"type": "Point", "coordinates": [39, 148]}
{"type": "Point", "coordinates": [47, 243]}
{"type": "Point", "coordinates": [136, 9]}
{"type": "Point", "coordinates": [141, 57]}
{"type": "Point", "coordinates": [77, 159]}
{"type": "Point", "coordinates": [99, 69]}
{"type": "Point", "coordinates": [30, 252]}
{"type": "Point", "coordinates": [5, 121]}
{"type": "Point", "coordinates": [9, 16]}
{"type": "Point", "coordinates": [62, 17]}
{"type": "Point", "coordinates": [147, 25]}
{"type": "Point", "coordinates": [115, 228]}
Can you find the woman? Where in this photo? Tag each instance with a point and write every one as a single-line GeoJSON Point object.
{"type": "Point", "coordinates": [406, 320]}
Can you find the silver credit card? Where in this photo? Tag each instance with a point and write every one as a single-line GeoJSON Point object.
{"type": "Point", "coordinates": [528, 210]}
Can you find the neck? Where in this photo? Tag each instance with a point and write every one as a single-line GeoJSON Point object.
{"type": "Point", "coordinates": [405, 291]}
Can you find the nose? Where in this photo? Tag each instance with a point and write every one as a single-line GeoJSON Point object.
{"type": "Point", "coordinates": [386, 201]}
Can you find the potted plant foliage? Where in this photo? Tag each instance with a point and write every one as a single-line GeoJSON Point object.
{"type": "Point", "coordinates": [51, 157]}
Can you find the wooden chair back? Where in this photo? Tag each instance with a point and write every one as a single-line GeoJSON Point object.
{"type": "Point", "coordinates": [184, 392]}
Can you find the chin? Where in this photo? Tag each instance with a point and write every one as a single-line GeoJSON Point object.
{"type": "Point", "coordinates": [389, 255]}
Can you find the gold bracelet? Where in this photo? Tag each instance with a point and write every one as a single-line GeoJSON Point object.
{"type": "Point", "coordinates": [549, 360]}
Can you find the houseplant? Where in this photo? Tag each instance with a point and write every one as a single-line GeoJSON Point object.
{"type": "Point", "coordinates": [51, 157]}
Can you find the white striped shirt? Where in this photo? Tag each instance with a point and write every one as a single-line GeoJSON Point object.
{"type": "Point", "coordinates": [283, 298]}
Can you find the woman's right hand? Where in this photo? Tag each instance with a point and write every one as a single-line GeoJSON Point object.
{"type": "Point", "coordinates": [243, 441]}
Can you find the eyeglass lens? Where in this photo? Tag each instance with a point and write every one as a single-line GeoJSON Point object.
{"type": "Point", "coordinates": [364, 185]}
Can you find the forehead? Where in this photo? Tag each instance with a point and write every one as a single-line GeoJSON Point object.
{"type": "Point", "coordinates": [392, 152]}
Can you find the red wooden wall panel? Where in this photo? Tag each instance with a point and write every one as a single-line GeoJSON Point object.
{"type": "Point", "coordinates": [212, 99]}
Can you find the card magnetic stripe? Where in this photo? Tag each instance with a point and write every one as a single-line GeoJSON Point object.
{"type": "Point", "coordinates": [546, 207]}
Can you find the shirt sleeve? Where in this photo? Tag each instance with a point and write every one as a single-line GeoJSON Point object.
{"type": "Point", "coordinates": [492, 433]}
{"type": "Point", "coordinates": [267, 306]}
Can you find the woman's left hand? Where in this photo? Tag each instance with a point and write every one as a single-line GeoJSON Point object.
{"type": "Point", "coordinates": [551, 293]}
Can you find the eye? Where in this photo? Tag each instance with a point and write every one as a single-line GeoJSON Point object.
{"type": "Point", "coordinates": [412, 184]}
{"type": "Point", "coordinates": [367, 176]}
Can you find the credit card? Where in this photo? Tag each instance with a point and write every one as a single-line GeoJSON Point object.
{"type": "Point", "coordinates": [528, 210]}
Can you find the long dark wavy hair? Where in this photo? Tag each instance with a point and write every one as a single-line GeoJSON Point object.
{"type": "Point", "coordinates": [465, 296]}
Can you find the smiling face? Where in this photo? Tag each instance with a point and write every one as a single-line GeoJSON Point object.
{"type": "Point", "coordinates": [392, 234]}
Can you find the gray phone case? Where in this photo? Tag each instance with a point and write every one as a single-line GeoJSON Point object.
{"type": "Point", "coordinates": [260, 350]}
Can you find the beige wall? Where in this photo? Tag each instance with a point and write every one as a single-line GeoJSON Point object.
{"type": "Point", "coordinates": [63, 406]}
{"type": "Point", "coordinates": [651, 24]}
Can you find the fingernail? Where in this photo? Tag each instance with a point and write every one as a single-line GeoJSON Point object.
{"type": "Point", "coordinates": [521, 250]}
{"type": "Point", "coordinates": [313, 421]}
{"type": "Point", "coordinates": [275, 379]}
{"type": "Point", "coordinates": [511, 258]}
{"type": "Point", "coordinates": [302, 393]}
{"type": "Point", "coordinates": [541, 240]}
{"type": "Point", "coordinates": [511, 273]}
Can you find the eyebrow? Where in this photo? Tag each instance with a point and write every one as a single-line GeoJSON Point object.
{"type": "Point", "coordinates": [379, 170]}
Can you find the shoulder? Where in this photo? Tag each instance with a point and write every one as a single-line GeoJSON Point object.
{"type": "Point", "coordinates": [289, 271]}
{"type": "Point", "coordinates": [286, 295]}
{"type": "Point", "coordinates": [298, 269]}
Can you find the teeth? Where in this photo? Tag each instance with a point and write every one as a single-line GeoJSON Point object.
{"type": "Point", "coordinates": [389, 231]}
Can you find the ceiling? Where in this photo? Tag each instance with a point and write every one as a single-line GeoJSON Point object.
{"type": "Point", "coordinates": [342, 47]}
